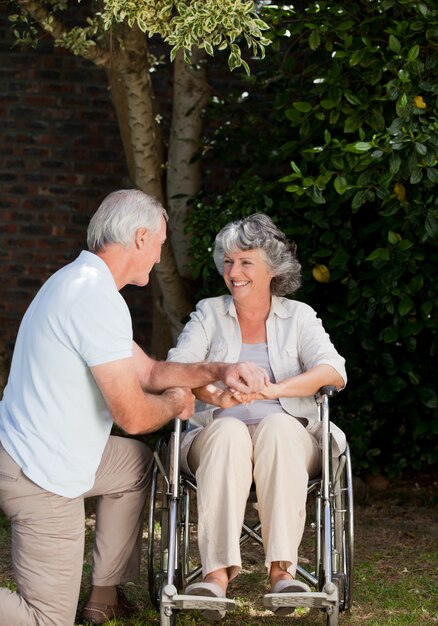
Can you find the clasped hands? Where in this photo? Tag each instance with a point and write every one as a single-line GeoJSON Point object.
{"type": "Point", "coordinates": [245, 382]}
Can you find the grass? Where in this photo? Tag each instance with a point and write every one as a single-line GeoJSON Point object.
{"type": "Point", "coordinates": [396, 572]}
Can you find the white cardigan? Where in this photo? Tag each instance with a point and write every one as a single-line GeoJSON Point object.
{"type": "Point", "coordinates": [296, 342]}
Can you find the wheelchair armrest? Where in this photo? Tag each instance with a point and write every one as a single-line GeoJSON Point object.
{"type": "Point", "coordinates": [328, 390]}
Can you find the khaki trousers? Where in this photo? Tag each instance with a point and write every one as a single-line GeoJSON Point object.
{"type": "Point", "coordinates": [279, 455]}
{"type": "Point", "coordinates": [48, 535]}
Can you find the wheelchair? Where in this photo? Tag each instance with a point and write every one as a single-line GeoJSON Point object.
{"type": "Point", "coordinates": [173, 562]}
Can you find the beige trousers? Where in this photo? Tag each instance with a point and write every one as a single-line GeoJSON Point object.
{"type": "Point", "coordinates": [48, 535]}
{"type": "Point", "coordinates": [279, 455]}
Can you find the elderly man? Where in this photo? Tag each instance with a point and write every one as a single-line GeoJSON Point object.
{"type": "Point", "coordinates": [75, 371]}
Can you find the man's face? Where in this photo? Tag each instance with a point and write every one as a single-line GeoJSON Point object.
{"type": "Point", "coordinates": [147, 254]}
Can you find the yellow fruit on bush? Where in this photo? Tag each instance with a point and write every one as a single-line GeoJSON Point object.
{"type": "Point", "coordinates": [419, 102]}
{"type": "Point", "coordinates": [321, 273]}
{"type": "Point", "coordinates": [400, 191]}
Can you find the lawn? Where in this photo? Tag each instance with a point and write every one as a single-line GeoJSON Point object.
{"type": "Point", "coordinates": [396, 573]}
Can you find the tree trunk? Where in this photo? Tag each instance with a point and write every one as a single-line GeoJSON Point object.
{"type": "Point", "coordinates": [134, 102]}
{"type": "Point", "coordinates": [190, 95]}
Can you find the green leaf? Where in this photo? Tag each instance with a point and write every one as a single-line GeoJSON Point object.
{"type": "Point", "coordinates": [420, 148]}
{"type": "Point", "coordinates": [432, 174]}
{"type": "Point", "coordinates": [314, 40]}
{"type": "Point", "coordinates": [359, 198]}
{"type": "Point", "coordinates": [352, 99]}
{"type": "Point", "coordinates": [303, 107]}
{"type": "Point", "coordinates": [394, 44]}
{"type": "Point", "coordinates": [413, 53]}
{"type": "Point", "coordinates": [209, 50]}
{"type": "Point", "coordinates": [328, 104]}
{"type": "Point", "coordinates": [380, 254]}
{"type": "Point", "coordinates": [295, 167]}
{"type": "Point", "coordinates": [394, 162]}
{"type": "Point", "coordinates": [429, 398]}
{"type": "Point", "coordinates": [233, 61]}
{"type": "Point", "coordinates": [362, 146]}
{"type": "Point", "coordinates": [417, 282]}
{"type": "Point", "coordinates": [341, 185]}
{"type": "Point", "coordinates": [393, 237]}
{"type": "Point", "coordinates": [356, 57]}
{"type": "Point", "coordinates": [404, 76]}
{"type": "Point", "coordinates": [430, 224]}
{"type": "Point", "coordinates": [405, 306]}
{"type": "Point", "coordinates": [416, 176]}
{"type": "Point", "coordinates": [352, 123]}
{"type": "Point", "coordinates": [389, 334]}
{"type": "Point", "coordinates": [316, 195]}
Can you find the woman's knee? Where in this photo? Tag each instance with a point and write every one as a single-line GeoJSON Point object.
{"type": "Point", "coordinates": [230, 431]}
{"type": "Point", "coordinates": [282, 433]}
{"type": "Point", "coordinates": [289, 438]}
{"type": "Point", "coordinates": [228, 437]}
{"type": "Point", "coordinates": [279, 427]}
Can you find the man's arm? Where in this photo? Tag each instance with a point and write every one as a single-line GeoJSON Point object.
{"type": "Point", "coordinates": [131, 408]}
{"type": "Point", "coordinates": [160, 375]}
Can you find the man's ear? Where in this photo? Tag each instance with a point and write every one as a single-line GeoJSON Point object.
{"type": "Point", "coordinates": [140, 237]}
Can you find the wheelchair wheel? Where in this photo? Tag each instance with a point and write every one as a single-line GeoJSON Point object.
{"type": "Point", "coordinates": [343, 533]}
{"type": "Point", "coordinates": [342, 537]}
{"type": "Point", "coordinates": [158, 523]}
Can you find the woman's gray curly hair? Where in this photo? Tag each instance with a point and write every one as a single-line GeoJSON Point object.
{"type": "Point", "coordinates": [258, 232]}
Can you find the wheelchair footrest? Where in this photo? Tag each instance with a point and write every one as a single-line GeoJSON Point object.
{"type": "Point", "coordinates": [202, 603]}
{"type": "Point", "coordinates": [311, 599]}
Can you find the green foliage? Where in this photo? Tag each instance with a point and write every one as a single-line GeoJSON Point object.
{"type": "Point", "coordinates": [209, 24]}
{"type": "Point", "coordinates": [339, 144]}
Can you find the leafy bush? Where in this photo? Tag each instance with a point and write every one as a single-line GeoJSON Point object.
{"type": "Point", "coordinates": [337, 140]}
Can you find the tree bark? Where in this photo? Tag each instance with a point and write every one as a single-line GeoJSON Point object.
{"type": "Point", "coordinates": [190, 96]}
{"type": "Point", "coordinates": [134, 101]}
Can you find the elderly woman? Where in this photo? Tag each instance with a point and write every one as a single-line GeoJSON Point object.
{"type": "Point", "coordinates": [272, 439]}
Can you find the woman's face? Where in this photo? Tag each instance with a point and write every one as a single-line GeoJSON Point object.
{"type": "Point", "coordinates": [246, 275]}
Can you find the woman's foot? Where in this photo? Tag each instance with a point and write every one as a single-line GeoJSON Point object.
{"type": "Point", "coordinates": [283, 582]}
{"type": "Point", "coordinates": [213, 585]}
{"type": "Point", "coordinates": [276, 574]}
{"type": "Point", "coordinates": [218, 577]}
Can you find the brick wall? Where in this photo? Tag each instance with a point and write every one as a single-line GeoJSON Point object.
{"type": "Point", "coordinates": [60, 154]}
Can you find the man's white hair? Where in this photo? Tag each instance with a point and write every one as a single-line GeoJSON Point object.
{"type": "Point", "coordinates": [120, 215]}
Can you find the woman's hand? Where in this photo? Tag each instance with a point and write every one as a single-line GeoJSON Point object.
{"type": "Point", "coordinates": [269, 392]}
{"type": "Point", "coordinates": [226, 399]}
{"type": "Point", "coordinates": [245, 398]}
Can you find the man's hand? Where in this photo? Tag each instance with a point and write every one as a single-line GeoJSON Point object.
{"type": "Point", "coordinates": [245, 377]}
{"type": "Point", "coordinates": [182, 401]}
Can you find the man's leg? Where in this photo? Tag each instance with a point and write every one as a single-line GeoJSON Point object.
{"type": "Point", "coordinates": [122, 482]}
{"type": "Point", "coordinates": [47, 551]}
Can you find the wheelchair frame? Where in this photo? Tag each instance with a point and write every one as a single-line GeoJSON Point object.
{"type": "Point", "coordinates": [333, 567]}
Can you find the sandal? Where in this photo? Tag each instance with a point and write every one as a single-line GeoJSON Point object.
{"type": "Point", "coordinates": [96, 613]}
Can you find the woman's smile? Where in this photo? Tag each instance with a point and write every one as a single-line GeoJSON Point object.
{"type": "Point", "coordinates": [246, 272]}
